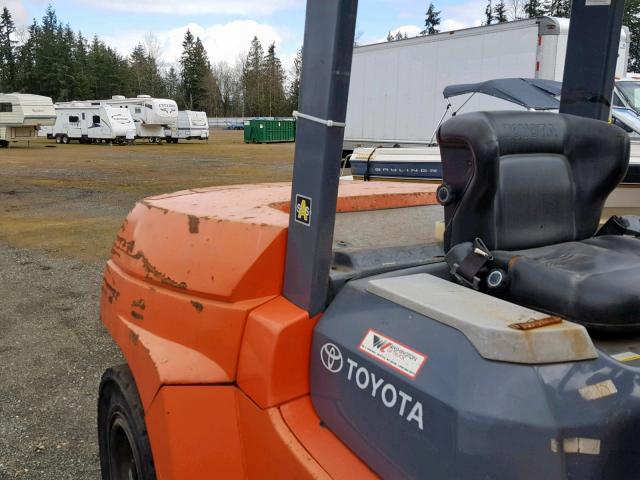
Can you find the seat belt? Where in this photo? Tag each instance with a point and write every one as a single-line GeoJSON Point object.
{"type": "Point", "coordinates": [466, 272]}
{"type": "Point", "coordinates": [621, 225]}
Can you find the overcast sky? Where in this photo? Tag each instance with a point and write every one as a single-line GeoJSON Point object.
{"type": "Point", "coordinates": [227, 26]}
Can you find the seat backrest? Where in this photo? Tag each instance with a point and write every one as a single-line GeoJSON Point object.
{"type": "Point", "coordinates": [528, 179]}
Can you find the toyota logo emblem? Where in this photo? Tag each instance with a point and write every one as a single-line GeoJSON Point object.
{"type": "Point", "coordinates": [331, 357]}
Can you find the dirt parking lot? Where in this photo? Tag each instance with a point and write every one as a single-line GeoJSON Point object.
{"type": "Point", "coordinates": [60, 207]}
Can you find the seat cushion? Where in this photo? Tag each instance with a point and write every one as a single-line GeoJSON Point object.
{"type": "Point", "coordinates": [595, 282]}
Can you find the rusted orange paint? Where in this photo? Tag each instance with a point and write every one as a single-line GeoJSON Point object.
{"type": "Point", "coordinates": [239, 249]}
{"type": "Point", "coordinates": [176, 342]}
{"type": "Point", "coordinates": [274, 359]}
{"type": "Point", "coordinates": [205, 264]}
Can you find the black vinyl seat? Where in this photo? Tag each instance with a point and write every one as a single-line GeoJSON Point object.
{"type": "Point", "coordinates": [532, 186]}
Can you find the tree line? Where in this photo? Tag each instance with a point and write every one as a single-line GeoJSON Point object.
{"type": "Point", "coordinates": [53, 60]}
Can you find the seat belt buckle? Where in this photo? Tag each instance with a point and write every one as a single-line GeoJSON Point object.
{"type": "Point", "coordinates": [466, 272]}
{"type": "Point", "coordinates": [473, 283]}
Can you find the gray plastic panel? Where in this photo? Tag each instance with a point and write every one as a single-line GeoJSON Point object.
{"type": "Point", "coordinates": [481, 419]}
{"type": "Point", "coordinates": [485, 320]}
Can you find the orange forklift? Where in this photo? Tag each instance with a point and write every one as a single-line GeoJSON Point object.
{"type": "Point", "coordinates": [315, 330]}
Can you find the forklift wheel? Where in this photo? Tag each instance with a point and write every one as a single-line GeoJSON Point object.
{"type": "Point", "coordinates": [125, 452]}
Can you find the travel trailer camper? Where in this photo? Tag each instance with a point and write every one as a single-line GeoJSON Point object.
{"type": "Point", "coordinates": [21, 115]}
{"type": "Point", "coordinates": [88, 123]}
{"type": "Point", "coordinates": [191, 126]}
{"type": "Point", "coordinates": [151, 115]}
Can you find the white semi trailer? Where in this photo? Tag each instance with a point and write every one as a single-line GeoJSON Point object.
{"type": "Point", "coordinates": [396, 89]}
{"type": "Point", "coordinates": [88, 123]}
{"type": "Point", "coordinates": [21, 115]}
{"type": "Point", "coordinates": [151, 115]}
{"type": "Point", "coordinates": [191, 125]}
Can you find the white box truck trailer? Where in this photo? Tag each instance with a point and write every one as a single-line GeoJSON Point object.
{"type": "Point", "coordinates": [396, 89]}
{"type": "Point", "coordinates": [191, 125]}
{"type": "Point", "coordinates": [21, 115]}
{"type": "Point", "coordinates": [89, 123]}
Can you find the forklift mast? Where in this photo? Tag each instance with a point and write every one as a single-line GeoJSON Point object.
{"type": "Point", "coordinates": [326, 67]}
{"type": "Point", "coordinates": [592, 53]}
{"type": "Point", "coordinates": [324, 88]}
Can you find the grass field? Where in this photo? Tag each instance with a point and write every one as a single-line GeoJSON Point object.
{"type": "Point", "coordinates": [70, 199]}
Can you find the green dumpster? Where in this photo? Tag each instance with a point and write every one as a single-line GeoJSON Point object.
{"type": "Point", "coordinates": [261, 130]}
{"type": "Point", "coordinates": [247, 131]}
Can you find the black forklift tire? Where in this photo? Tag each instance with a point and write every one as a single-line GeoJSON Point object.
{"type": "Point", "coordinates": [125, 451]}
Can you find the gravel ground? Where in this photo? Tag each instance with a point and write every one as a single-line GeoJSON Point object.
{"type": "Point", "coordinates": [53, 350]}
{"type": "Point", "coordinates": [60, 209]}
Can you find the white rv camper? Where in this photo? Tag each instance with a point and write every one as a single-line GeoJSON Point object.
{"type": "Point", "coordinates": [151, 115]}
{"type": "Point", "coordinates": [396, 88]}
{"type": "Point", "coordinates": [88, 123]}
{"type": "Point", "coordinates": [21, 115]}
{"type": "Point", "coordinates": [191, 126]}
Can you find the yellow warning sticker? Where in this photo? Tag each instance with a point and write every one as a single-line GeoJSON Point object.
{"type": "Point", "coordinates": [626, 356]}
{"type": "Point", "coordinates": [303, 210]}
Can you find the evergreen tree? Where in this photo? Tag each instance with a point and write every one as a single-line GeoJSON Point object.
{"type": "Point", "coordinates": [109, 72]}
{"type": "Point", "coordinates": [138, 63]}
{"type": "Point", "coordinates": [431, 21]}
{"type": "Point", "coordinates": [500, 12]}
{"type": "Point", "coordinates": [631, 19]}
{"type": "Point", "coordinates": [488, 13]}
{"type": "Point", "coordinates": [252, 80]}
{"type": "Point", "coordinates": [172, 86]}
{"type": "Point", "coordinates": [145, 73]}
{"type": "Point", "coordinates": [186, 69]}
{"type": "Point", "coordinates": [564, 9]}
{"type": "Point", "coordinates": [390, 37]}
{"type": "Point", "coordinates": [274, 78]}
{"type": "Point", "coordinates": [195, 72]}
{"type": "Point", "coordinates": [560, 8]}
{"type": "Point", "coordinates": [7, 52]}
{"type": "Point", "coordinates": [26, 61]}
{"type": "Point", "coordinates": [534, 9]}
{"type": "Point", "coordinates": [47, 68]}
{"type": "Point", "coordinates": [294, 86]}
{"type": "Point", "coordinates": [66, 78]}
{"type": "Point", "coordinates": [81, 74]}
